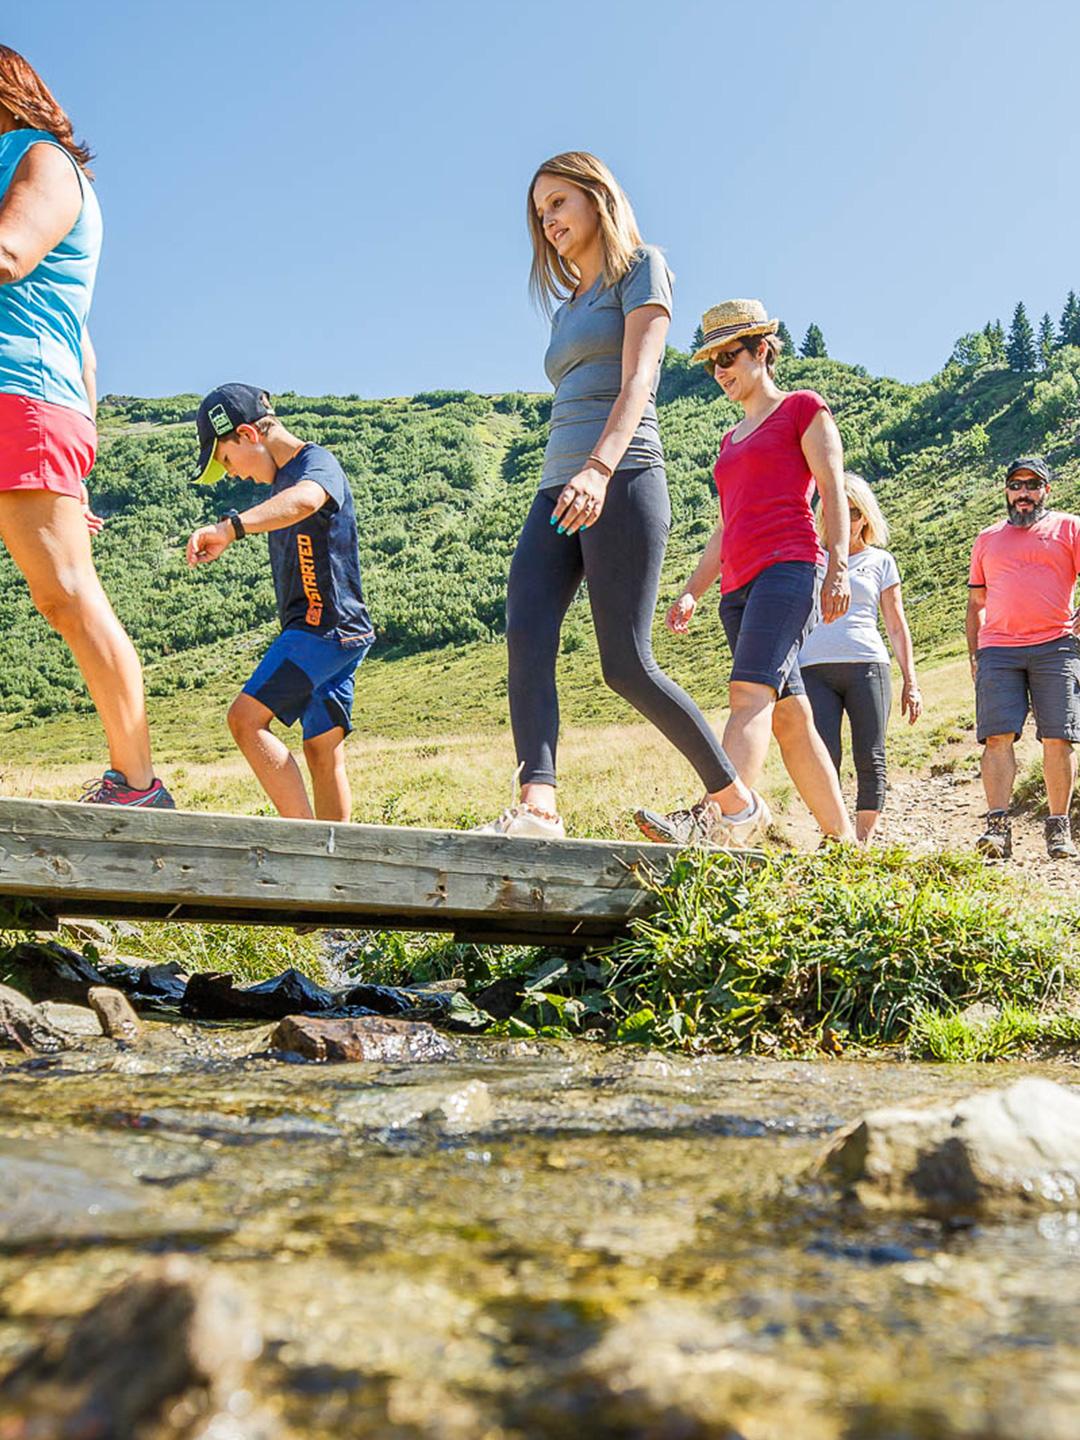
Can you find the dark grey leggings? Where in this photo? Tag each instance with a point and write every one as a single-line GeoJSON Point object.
{"type": "Point", "coordinates": [864, 690]}
{"type": "Point", "coordinates": [620, 556]}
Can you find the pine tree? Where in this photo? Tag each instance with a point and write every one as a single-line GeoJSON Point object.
{"type": "Point", "coordinates": [1046, 344]}
{"type": "Point", "coordinates": [813, 345]}
{"type": "Point", "coordinates": [995, 339]}
{"type": "Point", "coordinates": [783, 334]}
{"type": "Point", "coordinates": [1069, 328]}
{"type": "Point", "coordinates": [698, 340]}
{"type": "Point", "coordinates": [1020, 347]}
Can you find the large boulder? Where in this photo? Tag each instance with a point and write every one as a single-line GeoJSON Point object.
{"type": "Point", "coordinates": [998, 1149]}
{"type": "Point", "coordinates": [372, 1037]}
{"type": "Point", "coordinates": [166, 1352]}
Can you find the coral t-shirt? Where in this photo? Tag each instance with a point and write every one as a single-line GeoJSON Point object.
{"type": "Point", "coordinates": [1030, 575]}
{"type": "Point", "coordinates": [765, 485]}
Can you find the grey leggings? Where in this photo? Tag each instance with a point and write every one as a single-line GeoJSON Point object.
{"type": "Point", "coordinates": [620, 556]}
{"type": "Point", "coordinates": [864, 690]}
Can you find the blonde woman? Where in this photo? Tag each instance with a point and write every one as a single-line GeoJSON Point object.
{"type": "Point", "coordinates": [601, 513]}
{"type": "Point", "coordinates": [845, 666]}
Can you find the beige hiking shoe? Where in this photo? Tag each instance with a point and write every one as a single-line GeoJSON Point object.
{"type": "Point", "coordinates": [520, 822]}
{"type": "Point", "coordinates": [706, 824]}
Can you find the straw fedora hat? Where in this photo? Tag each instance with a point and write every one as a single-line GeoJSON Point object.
{"type": "Point", "coordinates": [732, 320]}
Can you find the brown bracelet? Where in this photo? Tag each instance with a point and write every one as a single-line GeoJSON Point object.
{"type": "Point", "coordinates": [602, 465]}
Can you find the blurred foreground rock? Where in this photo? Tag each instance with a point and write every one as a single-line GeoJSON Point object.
{"type": "Point", "coordinates": [369, 1037]}
{"type": "Point", "coordinates": [166, 1354]}
{"type": "Point", "coordinates": [997, 1150]}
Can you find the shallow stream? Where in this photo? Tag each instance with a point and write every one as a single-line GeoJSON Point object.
{"type": "Point", "coordinates": [539, 1241]}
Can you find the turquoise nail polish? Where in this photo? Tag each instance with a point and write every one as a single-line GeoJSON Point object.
{"type": "Point", "coordinates": [562, 529]}
{"type": "Point", "coordinates": [554, 520]}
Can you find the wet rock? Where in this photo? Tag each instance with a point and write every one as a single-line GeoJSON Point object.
{"type": "Point", "coordinates": [999, 1149]}
{"type": "Point", "coordinates": [459, 1109]}
{"type": "Point", "coordinates": [673, 1371]}
{"type": "Point", "coordinates": [503, 997]}
{"type": "Point", "coordinates": [50, 972]}
{"type": "Point", "coordinates": [166, 1352]}
{"type": "Point", "coordinates": [213, 996]}
{"type": "Point", "coordinates": [163, 984]}
{"type": "Point", "coordinates": [78, 1193]}
{"type": "Point", "coordinates": [378, 999]}
{"type": "Point", "coordinates": [372, 1037]}
{"type": "Point", "coordinates": [77, 1020]}
{"type": "Point", "coordinates": [118, 1019]}
{"type": "Point", "coordinates": [23, 1027]}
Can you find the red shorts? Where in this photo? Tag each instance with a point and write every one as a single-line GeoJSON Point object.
{"type": "Point", "coordinates": [43, 446]}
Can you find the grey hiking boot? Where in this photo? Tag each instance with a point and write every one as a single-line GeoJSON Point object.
{"type": "Point", "coordinates": [705, 824]}
{"type": "Point", "coordinates": [996, 840]}
{"type": "Point", "coordinates": [1059, 843]}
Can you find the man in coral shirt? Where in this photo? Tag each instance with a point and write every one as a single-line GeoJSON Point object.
{"type": "Point", "coordinates": [1022, 630]}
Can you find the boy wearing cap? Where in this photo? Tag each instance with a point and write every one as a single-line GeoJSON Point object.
{"type": "Point", "coordinates": [308, 672]}
{"type": "Point", "coordinates": [1022, 631]}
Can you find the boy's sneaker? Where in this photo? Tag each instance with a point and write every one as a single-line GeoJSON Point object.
{"type": "Point", "coordinates": [113, 789]}
{"type": "Point", "coordinates": [996, 840]}
{"type": "Point", "coordinates": [519, 822]}
{"type": "Point", "coordinates": [705, 824]}
{"type": "Point", "coordinates": [1059, 843]}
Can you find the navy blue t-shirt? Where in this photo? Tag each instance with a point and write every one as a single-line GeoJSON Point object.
{"type": "Point", "coordinates": [316, 562]}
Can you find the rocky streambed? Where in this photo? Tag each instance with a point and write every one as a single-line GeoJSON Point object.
{"type": "Point", "coordinates": [201, 1235]}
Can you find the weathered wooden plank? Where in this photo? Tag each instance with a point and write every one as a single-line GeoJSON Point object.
{"type": "Point", "coordinates": [105, 860]}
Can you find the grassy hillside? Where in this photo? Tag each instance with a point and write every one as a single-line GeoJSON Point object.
{"type": "Point", "coordinates": [441, 483]}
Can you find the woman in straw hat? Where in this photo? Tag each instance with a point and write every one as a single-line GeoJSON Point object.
{"type": "Point", "coordinates": [845, 666]}
{"type": "Point", "coordinates": [601, 513]}
{"type": "Point", "coordinates": [765, 553]}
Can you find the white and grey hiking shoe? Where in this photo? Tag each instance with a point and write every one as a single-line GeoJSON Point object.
{"type": "Point", "coordinates": [996, 840]}
{"type": "Point", "coordinates": [705, 824]}
{"type": "Point", "coordinates": [521, 822]}
{"type": "Point", "coordinates": [1059, 842]}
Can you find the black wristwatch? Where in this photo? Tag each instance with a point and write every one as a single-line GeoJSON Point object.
{"type": "Point", "coordinates": [236, 523]}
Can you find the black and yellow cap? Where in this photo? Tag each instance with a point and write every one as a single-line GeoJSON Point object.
{"type": "Point", "coordinates": [219, 414]}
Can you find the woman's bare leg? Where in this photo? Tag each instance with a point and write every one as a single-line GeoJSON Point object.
{"type": "Point", "coordinates": [49, 542]}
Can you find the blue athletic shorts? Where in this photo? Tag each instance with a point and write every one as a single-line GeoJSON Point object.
{"type": "Point", "coordinates": [766, 621]}
{"type": "Point", "coordinates": [309, 678]}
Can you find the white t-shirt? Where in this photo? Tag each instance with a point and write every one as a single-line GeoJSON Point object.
{"type": "Point", "coordinates": [855, 636]}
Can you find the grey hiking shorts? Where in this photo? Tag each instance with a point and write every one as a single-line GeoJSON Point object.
{"type": "Point", "coordinates": [1011, 679]}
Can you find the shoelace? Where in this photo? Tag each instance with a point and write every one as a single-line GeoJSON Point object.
{"type": "Point", "coordinates": [94, 790]}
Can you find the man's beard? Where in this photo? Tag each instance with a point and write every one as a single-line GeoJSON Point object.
{"type": "Point", "coordinates": [1025, 518]}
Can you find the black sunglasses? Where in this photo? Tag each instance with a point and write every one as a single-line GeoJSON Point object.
{"type": "Point", "coordinates": [1028, 485]}
{"type": "Point", "coordinates": [724, 359]}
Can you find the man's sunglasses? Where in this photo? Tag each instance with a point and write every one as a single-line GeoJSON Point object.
{"type": "Point", "coordinates": [1029, 485]}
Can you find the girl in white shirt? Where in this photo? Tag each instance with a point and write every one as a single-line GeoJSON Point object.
{"type": "Point", "coordinates": [845, 665]}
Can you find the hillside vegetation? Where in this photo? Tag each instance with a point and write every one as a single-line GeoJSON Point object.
{"type": "Point", "coordinates": [441, 483]}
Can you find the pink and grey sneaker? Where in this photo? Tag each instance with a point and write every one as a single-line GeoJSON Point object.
{"type": "Point", "coordinates": [113, 789]}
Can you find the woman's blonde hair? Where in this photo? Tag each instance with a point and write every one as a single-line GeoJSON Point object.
{"type": "Point", "coordinates": [551, 278]}
{"type": "Point", "coordinates": [858, 492]}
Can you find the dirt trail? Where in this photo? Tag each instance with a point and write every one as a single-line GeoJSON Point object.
{"type": "Point", "coordinates": [946, 812]}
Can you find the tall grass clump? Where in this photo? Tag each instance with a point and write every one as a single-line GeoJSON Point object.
{"type": "Point", "coordinates": [839, 946]}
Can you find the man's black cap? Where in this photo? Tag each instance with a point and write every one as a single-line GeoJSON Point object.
{"type": "Point", "coordinates": [219, 414]}
{"type": "Point", "coordinates": [1035, 463]}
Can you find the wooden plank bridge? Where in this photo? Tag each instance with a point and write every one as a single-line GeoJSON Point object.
{"type": "Point", "coordinates": [60, 859]}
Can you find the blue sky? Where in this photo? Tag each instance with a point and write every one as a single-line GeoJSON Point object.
{"type": "Point", "coordinates": [328, 196]}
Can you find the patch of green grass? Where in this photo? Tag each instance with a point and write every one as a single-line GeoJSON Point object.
{"type": "Point", "coordinates": [249, 953]}
{"type": "Point", "coordinates": [839, 948]}
{"type": "Point", "coordinates": [1013, 1031]}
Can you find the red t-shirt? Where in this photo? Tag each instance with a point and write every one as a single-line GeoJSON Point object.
{"type": "Point", "coordinates": [1030, 574]}
{"type": "Point", "coordinates": [765, 485]}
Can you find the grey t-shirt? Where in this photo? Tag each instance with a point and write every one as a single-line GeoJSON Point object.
{"type": "Point", "coordinates": [584, 363]}
{"type": "Point", "coordinates": [855, 637]}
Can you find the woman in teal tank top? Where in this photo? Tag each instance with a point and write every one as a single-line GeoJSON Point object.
{"type": "Point", "coordinates": [50, 241]}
